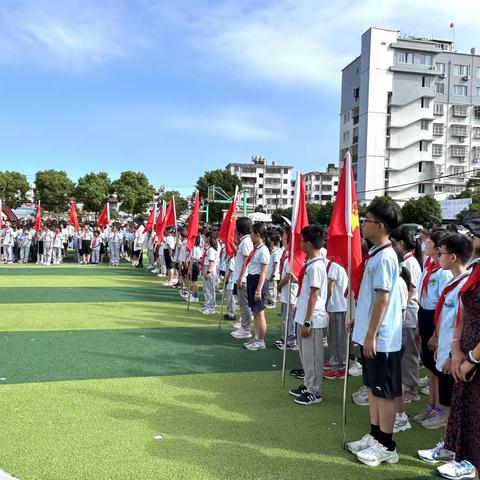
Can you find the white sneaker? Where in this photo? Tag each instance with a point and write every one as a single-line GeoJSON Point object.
{"type": "Point", "coordinates": [256, 345]}
{"type": "Point", "coordinates": [208, 312]}
{"type": "Point", "coordinates": [436, 420]}
{"type": "Point", "coordinates": [423, 382]}
{"type": "Point", "coordinates": [155, 271]}
{"type": "Point", "coordinates": [377, 454]}
{"type": "Point", "coordinates": [457, 470]}
{"type": "Point", "coordinates": [437, 454]}
{"type": "Point", "coordinates": [241, 333]}
{"type": "Point", "coordinates": [365, 442]}
{"type": "Point", "coordinates": [361, 399]}
{"type": "Point", "coordinates": [355, 369]}
{"type": "Point", "coordinates": [401, 423]}
{"type": "Point", "coordinates": [193, 299]}
{"type": "Point", "coordinates": [363, 390]}
{"type": "Point", "coordinates": [237, 325]}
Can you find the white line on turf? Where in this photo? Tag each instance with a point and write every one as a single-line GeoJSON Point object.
{"type": "Point", "coordinates": [6, 476]}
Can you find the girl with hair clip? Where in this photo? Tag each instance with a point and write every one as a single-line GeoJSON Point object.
{"type": "Point", "coordinates": [409, 242]}
{"type": "Point", "coordinates": [257, 265]}
{"type": "Point", "coordinates": [210, 273]}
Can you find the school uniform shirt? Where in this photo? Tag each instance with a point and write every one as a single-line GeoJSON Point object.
{"type": "Point", "coordinates": [7, 236]}
{"type": "Point", "coordinates": [57, 240]}
{"type": "Point", "coordinates": [448, 320]}
{"type": "Point", "coordinates": [26, 239]}
{"type": "Point", "coordinates": [87, 235]}
{"type": "Point", "coordinates": [337, 301]}
{"type": "Point", "coordinates": [413, 267]}
{"type": "Point", "coordinates": [402, 285]}
{"type": "Point", "coordinates": [437, 282]}
{"type": "Point", "coordinates": [274, 259]}
{"type": "Point", "coordinates": [115, 237]}
{"type": "Point", "coordinates": [223, 262]}
{"type": "Point", "coordinates": [381, 273]}
{"type": "Point", "coordinates": [245, 246]}
{"type": "Point", "coordinates": [211, 256]}
{"type": "Point", "coordinates": [195, 254]}
{"type": "Point", "coordinates": [315, 277]}
{"type": "Point", "coordinates": [260, 257]}
{"type": "Point", "coordinates": [169, 242]}
{"type": "Point", "coordinates": [293, 287]}
{"type": "Point", "coordinates": [230, 268]}
{"type": "Point", "coordinates": [48, 236]}
{"type": "Point", "coordinates": [182, 256]}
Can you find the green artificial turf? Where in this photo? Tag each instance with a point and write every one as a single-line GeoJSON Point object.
{"type": "Point", "coordinates": [95, 362]}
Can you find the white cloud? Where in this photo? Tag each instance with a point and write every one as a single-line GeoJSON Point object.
{"type": "Point", "coordinates": [67, 33]}
{"type": "Point", "coordinates": [230, 123]}
{"type": "Point", "coordinates": [307, 42]}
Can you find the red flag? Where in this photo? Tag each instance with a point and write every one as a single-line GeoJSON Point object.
{"type": "Point", "coordinates": [72, 218]}
{"type": "Point", "coordinates": [299, 221]}
{"type": "Point", "coordinates": [168, 220]}
{"type": "Point", "coordinates": [104, 217]}
{"type": "Point", "coordinates": [151, 220]}
{"type": "Point", "coordinates": [344, 224]}
{"type": "Point", "coordinates": [158, 223]}
{"type": "Point", "coordinates": [227, 230]}
{"type": "Point", "coordinates": [192, 229]}
{"type": "Point", "coordinates": [38, 219]}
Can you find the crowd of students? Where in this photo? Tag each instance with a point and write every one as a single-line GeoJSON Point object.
{"type": "Point", "coordinates": [417, 305]}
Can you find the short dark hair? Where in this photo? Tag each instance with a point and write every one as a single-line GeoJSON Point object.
{"type": "Point", "coordinates": [315, 235]}
{"type": "Point", "coordinates": [387, 213]}
{"type": "Point", "coordinates": [243, 225]}
{"type": "Point", "coordinates": [274, 237]}
{"type": "Point", "coordinates": [458, 244]}
{"type": "Point", "coordinates": [437, 235]}
{"type": "Point", "coordinates": [259, 228]}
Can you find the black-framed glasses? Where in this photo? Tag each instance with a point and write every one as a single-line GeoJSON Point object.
{"type": "Point", "coordinates": [364, 220]}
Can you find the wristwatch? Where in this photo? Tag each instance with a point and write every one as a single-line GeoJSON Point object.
{"type": "Point", "coordinates": [307, 324]}
{"type": "Point", "coordinates": [471, 359]}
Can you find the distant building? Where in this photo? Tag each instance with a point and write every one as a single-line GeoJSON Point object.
{"type": "Point", "coordinates": [410, 116]}
{"type": "Point", "coordinates": [321, 187]}
{"type": "Point", "coordinates": [268, 185]}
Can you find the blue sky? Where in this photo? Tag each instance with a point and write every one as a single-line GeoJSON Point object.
{"type": "Point", "coordinates": [176, 87]}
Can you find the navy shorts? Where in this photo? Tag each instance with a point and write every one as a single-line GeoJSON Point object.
{"type": "Point", "coordinates": [426, 328]}
{"type": "Point", "coordinates": [256, 306]}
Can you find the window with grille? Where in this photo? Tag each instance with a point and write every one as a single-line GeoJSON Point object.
{"type": "Point", "coordinates": [439, 88]}
{"type": "Point", "coordinates": [459, 130]}
{"type": "Point", "coordinates": [438, 108]}
{"type": "Point", "coordinates": [437, 149]}
{"type": "Point", "coordinates": [440, 67]}
{"type": "Point", "coordinates": [460, 110]}
{"type": "Point", "coordinates": [476, 132]}
{"type": "Point", "coordinates": [438, 129]}
{"type": "Point", "coordinates": [476, 154]}
{"type": "Point", "coordinates": [458, 171]}
{"type": "Point", "coordinates": [458, 151]}
{"type": "Point", "coordinates": [476, 111]}
{"type": "Point", "coordinates": [438, 170]}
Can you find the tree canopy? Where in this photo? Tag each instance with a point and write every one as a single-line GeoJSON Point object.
{"type": "Point", "coordinates": [133, 191]}
{"type": "Point", "coordinates": [92, 190]}
{"type": "Point", "coordinates": [13, 187]}
{"type": "Point", "coordinates": [181, 203]}
{"type": "Point", "coordinates": [425, 211]}
{"type": "Point", "coordinates": [54, 189]}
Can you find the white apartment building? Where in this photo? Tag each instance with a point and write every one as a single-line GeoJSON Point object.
{"type": "Point", "coordinates": [267, 185]}
{"type": "Point", "coordinates": [321, 187]}
{"type": "Point", "coordinates": [410, 116]}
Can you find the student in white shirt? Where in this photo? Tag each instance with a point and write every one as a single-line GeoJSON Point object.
{"type": "Point", "coordinates": [256, 265]}
{"type": "Point", "coordinates": [311, 316]}
{"type": "Point", "coordinates": [57, 246]}
{"type": "Point", "coordinates": [114, 242]}
{"type": "Point", "coordinates": [210, 273]}
{"type": "Point", "coordinates": [25, 245]}
{"type": "Point", "coordinates": [243, 226]}
{"type": "Point", "coordinates": [47, 245]}
{"type": "Point", "coordinates": [432, 281]}
{"type": "Point", "coordinates": [273, 269]}
{"type": "Point", "coordinates": [7, 243]}
{"type": "Point", "coordinates": [409, 243]}
{"type": "Point", "coordinates": [95, 246]}
{"type": "Point", "coordinates": [287, 295]}
{"type": "Point", "coordinates": [378, 329]}
{"type": "Point", "coordinates": [87, 237]}
{"type": "Point", "coordinates": [229, 297]}
{"type": "Point", "coordinates": [193, 258]}
{"type": "Point", "coordinates": [168, 251]}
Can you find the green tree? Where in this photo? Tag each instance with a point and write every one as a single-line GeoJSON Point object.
{"type": "Point", "coordinates": [277, 216]}
{"type": "Point", "coordinates": [181, 203]}
{"type": "Point", "coordinates": [92, 190]}
{"type": "Point", "coordinates": [423, 210]}
{"type": "Point", "coordinates": [324, 214]}
{"type": "Point", "coordinates": [54, 189]}
{"type": "Point", "coordinates": [13, 187]}
{"type": "Point", "coordinates": [133, 191]}
{"type": "Point", "coordinates": [220, 178]}
{"type": "Point", "coordinates": [313, 210]}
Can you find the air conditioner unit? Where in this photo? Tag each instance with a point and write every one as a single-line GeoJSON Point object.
{"type": "Point", "coordinates": [432, 67]}
{"type": "Point", "coordinates": [461, 139]}
{"type": "Point", "coordinates": [442, 75]}
{"type": "Point", "coordinates": [466, 77]}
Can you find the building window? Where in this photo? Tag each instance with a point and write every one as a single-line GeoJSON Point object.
{"type": "Point", "coordinates": [346, 136]}
{"type": "Point", "coordinates": [404, 57]}
{"type": "Point", "coordinates": [438, 108]}
{"type": "Point", "coordinates": [346, 117]}
{"type": "Point", "coordinates": [425, 102]}
{"type": "Point", "coordinates": [478, 72]}
{"type": "Point", "coordinates": [285, 171]}
{"type": "Point", "coordinates": [424, 124]}
{"type": "Point", "coordinates": [316, 188]}
{"type": "Point", "coordinates": [438, 170]}
{"type": "Point", "coordinates": [437, 149]}
{"type": "Point", "coordinates": [458, 171]}
{"type": "Point", "coordinates": [420, 167]}
{"type": "Point", "coordinates": [476, 132]}
{"type": "Point", "coordinates": [440, 67]}
{"type": "Point", "coordinates": [475, 154]}
{"type": "Point", "coordinates": [439, 88]}
{"type": "Point", "coordinates": [459, 130]}
{"type": "Point", "coordinates": [423, 146]}
{"type": "Point", "coordinates": [285, 181]}
{"type": "Point", "coordinates": [426, 81]}
{"type": "Point", "coordinates": [477, 91]}
{"type": "Point", "coordinates": [476, 112]}
{"type": "Point", "coordinates": [421, 188]}
{"type": "Point", "coordinates": [461, 70]}
{"type": "Point", "coordinates": [459, 151]}
{"type": "Point", "coordinates": [437, 129]}
{"type": "Point", "coordinates": [460, 110]}
{"type": "Point", "coordinates": [356, 94]}
{"type": "Point", "coordinates": [260, 175]}
{"type": "Point", "coordinates": [460, 90]}
{"type": "Point", "coordinates": [426, 59]}
{"type": "Point", "coordinates": [438, 188]}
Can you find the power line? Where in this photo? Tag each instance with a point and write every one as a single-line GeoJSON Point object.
{"type": "Point", "coordinates": [417, 183]}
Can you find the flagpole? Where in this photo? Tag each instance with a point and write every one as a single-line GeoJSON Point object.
{"type": "Point", "coordinates": [285, 333]}
{"type": "Point", "coordinates": [190, 266]}
{"type": "Point", "coordinates": [348, 213]}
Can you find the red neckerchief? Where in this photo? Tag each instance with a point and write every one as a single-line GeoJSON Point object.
{"type": "Point", "coordinates": [251, 254]}
{"type": "Point", "coordinates": [471, 284]}
{"type": "Point", "coordinates": [409, 255]}
{"type": "Point", "coordinates": [302, 273]}
{"type": "Point", "coordinates": [441, 300]}
{"type": "Point", "coordinates": [283, 259]}
{"type": "Point", "coordinates": [431, 268]}
{"type": "Point", "coordinates": [329, 266]}
{"type": "Point", "coordinates": [361, 268]}
{"type": "Point", "coordinates": [205, 249]}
